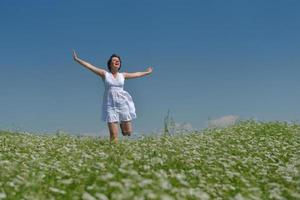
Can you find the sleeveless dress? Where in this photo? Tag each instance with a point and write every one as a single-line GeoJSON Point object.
{"type": "Point", "coordinates": [117, 103]}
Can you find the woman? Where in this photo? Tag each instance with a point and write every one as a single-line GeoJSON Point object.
{"type": "Point", "coordinates": [118, 107]}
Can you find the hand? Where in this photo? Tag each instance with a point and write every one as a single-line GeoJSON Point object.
{"type": "Point", "coordinates": [75, 57]}
{"type": "Point", "coordinates": [149, 70]}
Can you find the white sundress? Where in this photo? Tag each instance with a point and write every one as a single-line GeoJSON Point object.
{"type": "Point", "coordinates": [117, 103]}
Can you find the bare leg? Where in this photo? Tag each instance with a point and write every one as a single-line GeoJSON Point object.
{"type": "Point", "coordinates": [113, 131]}
{"type": "Point", "coordinates": [126, 128]}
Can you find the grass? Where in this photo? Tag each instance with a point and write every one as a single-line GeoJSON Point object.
{"type": "Point", "coordinates": [250, 160]}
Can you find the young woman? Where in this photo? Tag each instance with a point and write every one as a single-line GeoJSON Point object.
{"type": "Point", "coordinates": [118, 107]}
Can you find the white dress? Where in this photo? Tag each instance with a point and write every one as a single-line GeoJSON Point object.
{"type": "Point", "coordinates": [117, 103]}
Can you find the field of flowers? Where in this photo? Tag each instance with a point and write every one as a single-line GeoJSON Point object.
{"type": "Point", "coordinates": [250, 160]}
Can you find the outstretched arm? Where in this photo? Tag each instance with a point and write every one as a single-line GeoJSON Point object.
{"type": "Point", "coordinates": [138, 74]}
{"type": "Point", "coordinates": [99, 71]}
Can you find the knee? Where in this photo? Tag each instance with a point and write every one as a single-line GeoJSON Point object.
{"type": "Point", "coordinates": [126, 133]}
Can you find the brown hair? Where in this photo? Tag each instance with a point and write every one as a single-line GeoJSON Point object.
{"type": "Point", "coordinates": [110, 59]}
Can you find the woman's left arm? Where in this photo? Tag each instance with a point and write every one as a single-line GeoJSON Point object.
{"type": "Point", "coordinates": [138, 74]}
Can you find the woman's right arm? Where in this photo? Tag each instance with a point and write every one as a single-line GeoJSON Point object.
{"type": "Point", "coordinates": [99, 71]}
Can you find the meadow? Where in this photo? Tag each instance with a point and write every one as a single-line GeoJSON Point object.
{"type": "Point", "coordinates": [249, 160]}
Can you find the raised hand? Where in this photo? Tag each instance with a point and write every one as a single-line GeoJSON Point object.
{"type": "Point", "coordinates": [97, 70]}
{"type": "Point", "coordinates": [75, 57]}
{"type": "Point", "coordinates": [149, 70]}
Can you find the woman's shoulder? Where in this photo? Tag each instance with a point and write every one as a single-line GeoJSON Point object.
{"type": "Point", "coordinates": [106, 73]}
{"type": "Point", "coordinates": [122, 74]}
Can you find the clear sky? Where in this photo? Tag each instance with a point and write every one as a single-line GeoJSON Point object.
{"type": "Point", "coordinates": [211, 59]}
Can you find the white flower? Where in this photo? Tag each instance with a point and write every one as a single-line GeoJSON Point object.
{"type": "Point", "coordinates": [58, 191]}
{"type": "Point", "coordinates": [101, 196]}
{"type": "Point", "coordinates": [106, 177]}
{"type": "Point", "coordinates": [2, 195]}
{"type": "Point", "coordinates": [87, 196]}
{"type": "Point", "coordinates": [67, 181]}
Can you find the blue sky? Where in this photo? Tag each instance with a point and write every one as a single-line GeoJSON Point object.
{"type": "Point", "coordinates": [211, 59]}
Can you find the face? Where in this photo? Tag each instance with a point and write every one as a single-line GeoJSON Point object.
{"type": "Point", "coordinates": [115, 63]}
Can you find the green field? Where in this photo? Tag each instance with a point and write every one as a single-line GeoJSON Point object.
{"type": "Point", "coordinates": [250, 160]}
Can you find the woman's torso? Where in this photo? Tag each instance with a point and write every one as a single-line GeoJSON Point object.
{"type": "Point", "coordinates": [114, 94]}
